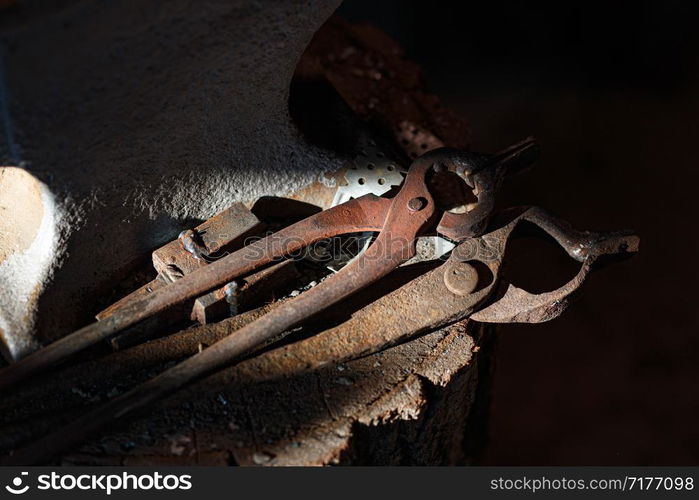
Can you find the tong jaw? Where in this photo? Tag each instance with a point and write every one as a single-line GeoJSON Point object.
{"type": "Point", "coordinates": [484, 175]}
{"type": "Point", "coordinates": [477, 263]}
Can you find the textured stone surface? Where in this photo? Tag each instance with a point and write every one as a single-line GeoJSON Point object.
{"type": "Point", "coordinates": [27, 238]}
{"type": "Point", "coordinates": [146, 117]}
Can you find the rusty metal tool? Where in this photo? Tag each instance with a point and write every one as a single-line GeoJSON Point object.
{"type": "Point", "coordinates": [194, 248]}
{"type": "Point", "coordinates": [464, 286]}
{"type": "Point", "coordinates": [413, 211]}
{"type": "Point", "coordinates": [389, 319]}
{"type": "Point", "coordinates": [223, 233]}
{"type": "Point", "coordinates": [468, 285]}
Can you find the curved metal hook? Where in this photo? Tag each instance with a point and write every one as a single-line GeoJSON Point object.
{"type": "Point", "coordinates": [484, 174]}
{"type": "Point", "coordinates": [519, 306]}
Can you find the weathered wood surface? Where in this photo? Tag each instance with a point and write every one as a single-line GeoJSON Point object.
{"type": "Point", "coordinates": [276, 407]}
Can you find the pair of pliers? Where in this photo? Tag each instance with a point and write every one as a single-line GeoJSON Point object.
{"type": "Point", "coordinates": [412, 212]}
{"type": "Point", "coordinates": [468, 285]}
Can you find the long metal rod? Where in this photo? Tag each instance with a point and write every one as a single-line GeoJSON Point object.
{"type": "Point", "coordinates": [209, 360]}
{"type": "Point", "coordinates": [411, 211]}
{"type": "Point", "coordinates": [363, 214]}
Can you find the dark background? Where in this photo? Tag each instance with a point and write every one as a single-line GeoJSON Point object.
{"type": "Point", "coordinates": [610, 90]}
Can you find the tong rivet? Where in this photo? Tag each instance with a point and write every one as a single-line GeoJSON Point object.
{"type": "Point", "coordinates": [460, 278]}
{"type": "Point", "coordinates": [417, 204]}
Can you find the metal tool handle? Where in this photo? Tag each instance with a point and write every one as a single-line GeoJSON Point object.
{"type": "Point", "coordinates": [519, 306]}
{"type": "Point", "coordinates": [363, 214]}
{"type": "Point", "coordinates": [410, 212]}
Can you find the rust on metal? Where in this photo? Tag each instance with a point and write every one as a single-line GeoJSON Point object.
{"type": "Point", "coordinates": [519, 306]}
{"type": "Point", "coordinates": [196, 247]}
{"type": "Point", "coordinates": [394, 245]}
{"type": "Point", "coordinates": [243, 294]}
{"type": "Point", "coordinates": [193, 249]}
{"type": "Point", "coordinates": [460, 278]}
{"type": "Point", "coordinates": [365, 214]}
{"type": "Point", "coordinates": [192, 242]}
{"type": "Point", "coordinates": [485, 175]}
{"type": "Point", "coordinates": [445, 295]}
{"type": "Point", "coordinates": [384, 88]}
{"type": "Point", "coordinates": [159, 282]}
{"type": "Point", "coordinates": [380, 324]}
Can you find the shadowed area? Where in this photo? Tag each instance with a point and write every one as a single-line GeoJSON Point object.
{"type": "Point", "coordinates": [610, 92]}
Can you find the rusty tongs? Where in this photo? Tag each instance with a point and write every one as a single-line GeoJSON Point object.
{"type": "Point", "coordinates": [399, 221]}
{"type": "Point", "coordinates": [460, 288]}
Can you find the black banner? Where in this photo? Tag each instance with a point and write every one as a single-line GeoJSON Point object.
{"type": "Point", "coordinates": [345, 482]}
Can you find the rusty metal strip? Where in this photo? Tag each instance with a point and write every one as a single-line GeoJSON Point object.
{"type": "Point", "coordinates": [243, 294]}
{"type": "Point", "coordinates": [222, 233]}
{"type": "Point", "coordinates": [366, 214]}
{"type": "Point", "coordinates": [195, 248]}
